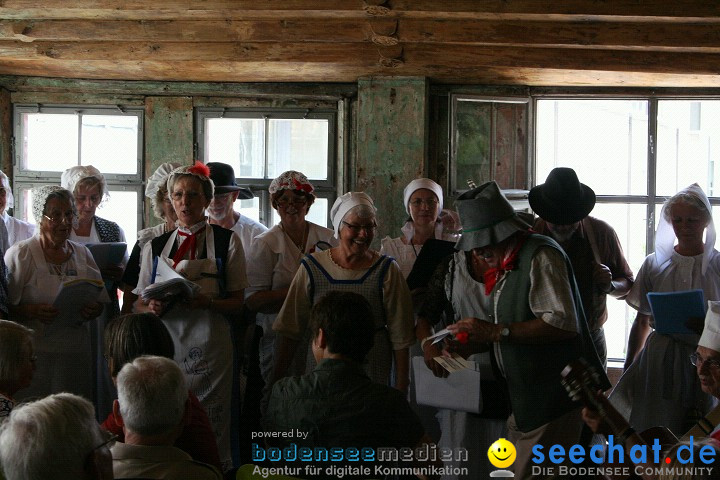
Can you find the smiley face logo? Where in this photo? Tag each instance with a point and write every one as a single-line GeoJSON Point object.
{"type": "Point", "coordinates": [501, 453]}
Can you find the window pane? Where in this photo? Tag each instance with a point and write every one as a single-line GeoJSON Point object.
{"type": "Point", "coordinates": [318, 213]}
{"type": "Point", "coordinates": [605, 141]}
{"type": "Point", "coordinates": [688, 145]}
{"type": "Point", "coordinates": [629, 222]}
{"type": "Point", "coordinates": [51, 141]}
{"type": "Point", "coordinates": [300, 144]}
{"type": "Point", "coordinates": [239, 142]}
{"type": "Point", "coordinates": [249, 207]}
{"type": "Point", "coordinates": [116, 209]}
{"type": "Point", "coordinates": [110, 143]}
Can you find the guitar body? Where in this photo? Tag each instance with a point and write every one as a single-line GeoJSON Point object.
{"type": "Point", "coordinates": [582, 382]}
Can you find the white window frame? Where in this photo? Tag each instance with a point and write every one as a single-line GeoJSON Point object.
{"type": "Point", "coordinates": [26, 179]}
{"type": "Point", "coordinates": [326, 188]}
{"type": "Point", "coordinates": [651, 199]}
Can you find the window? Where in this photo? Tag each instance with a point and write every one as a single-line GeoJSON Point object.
{"type": "Point", "coordinates": [261, 144]}
{"type": "Point", "coordinates": [488, 142]}
{"type": "Point", "coordinates": [634, 153]}
{"type": "Point", "coordinates": [50, 139]}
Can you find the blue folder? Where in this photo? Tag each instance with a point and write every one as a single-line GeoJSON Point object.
{"type": "Point", "coordinates": [672, 309]}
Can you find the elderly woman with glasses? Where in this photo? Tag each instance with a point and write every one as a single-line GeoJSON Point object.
{"type": "Point", "coordinates": [38, 269]}
{"type": "Point", "coordinates": [213, 258]}
{"type": "Point", "coordinates": [275, 255]}
{"type": "Point", "coordinates": [351, 266]}
{"type": "Point", "coordinates": [17, 363]}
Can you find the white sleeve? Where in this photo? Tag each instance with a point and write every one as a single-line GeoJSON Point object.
{"type": "Point", "coordinates": [146, 267]}
{"type": "Point", "coordinates": [235, 273]}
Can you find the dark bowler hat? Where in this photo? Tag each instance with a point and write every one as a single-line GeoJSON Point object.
{"type": "Point", "coordinates": [562, 199]}
{"type": "Point", "coordinates": [487, 217]}
{"type": "Point", "coordinates": [223, 176]}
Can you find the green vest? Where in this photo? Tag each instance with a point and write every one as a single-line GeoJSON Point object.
{"type": "Point", "coordinates": [533, 371]}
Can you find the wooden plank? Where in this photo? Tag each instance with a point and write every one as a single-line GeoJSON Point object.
{"type": "Point", "coordinates": [77, 98]}
{"type": "Point", "coordinates": [272, 91]}
{"type": "Point", "coordinates": [696, 36]}
{"type": "Point", "coordinates": [292, 61]}
{"type": "Point", "coordinates": [245, 9]}
{"type": "Point", "coordinates": [290, 72]}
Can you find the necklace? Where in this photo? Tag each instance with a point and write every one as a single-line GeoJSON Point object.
{"type": "Point", "coordinates": [301, 244]}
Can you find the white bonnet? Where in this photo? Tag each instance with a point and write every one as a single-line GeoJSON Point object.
{"type": "Point", "coordinates": [344, 203]}
{"type": "Point", "coordinates": [710, 337]}
{"type": "Point", "coordinates": [159, 178]}
{"type": "Point", "coordinates": [70, 178]}
{"type": "Point", "coordinates": [419, 183]}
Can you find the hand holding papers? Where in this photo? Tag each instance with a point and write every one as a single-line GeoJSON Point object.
{"type": "Point", "coordinates": [72, 297]}
{"type": "Point", "coordinates": [672, 309]}
{"type": "Point", "coordinates": [169, 284]}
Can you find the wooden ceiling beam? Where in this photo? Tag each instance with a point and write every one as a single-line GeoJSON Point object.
{"type": "Point", "coordinates": [677, 10]}
{"type": "Point", "coordinates": [629, 35]}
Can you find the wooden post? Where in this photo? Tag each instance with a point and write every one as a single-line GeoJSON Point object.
{"type": "Point", "coordinates": [168, 136]}
{"type": "Point", "coordinates": [392, 132]}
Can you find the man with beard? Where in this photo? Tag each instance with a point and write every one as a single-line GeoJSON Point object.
{"type": "Point", "coordinates": [563, 205]}
{"type": "Point", "coordinates": [221, 211]}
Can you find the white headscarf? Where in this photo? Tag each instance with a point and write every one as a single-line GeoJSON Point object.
{"type": "Point", "coordinates": [710, 337]}
{"type": "Point", "coordinates": [419, 183]}
{"type": "Point", "coordinates": [9, 199]}
{"type": "Point", "coordinates": [344, 203]}
{"type": "Point", "coordinates": [665, 235]}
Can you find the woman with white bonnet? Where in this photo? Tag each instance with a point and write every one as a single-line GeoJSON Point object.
{"type": "Point", "coordinates": [660, 386]}
{"type": "Point", "coordinates": [351, 266]}
{"type": "Point", "coordinates": [89, 189]}
{"type": "Point", "coordinates": [38, 267]}
{"type": "Point", "coordinates": [423, 200]}
{"type": "Point", "coordinates": [156, 191]}
{"type": "Point", "coordinates": [212, 257]}
{"type": "Point", "coordinates": [17, 230]}
{"type": "Point", "coordinates": [275, 255]}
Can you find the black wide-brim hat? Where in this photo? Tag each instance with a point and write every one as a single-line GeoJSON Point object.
{"type": "Point", "coordinates": [487, 217]}
{"type": "Point", "coordinates": [562, 199]}
{"type": "Point", "coordinates": [223, 176]}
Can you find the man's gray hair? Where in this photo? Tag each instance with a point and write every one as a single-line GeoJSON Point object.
{"type": "Point", "coordinates": [152, 395]}
{"type": "Point", "coordinates": [13, 338]}
{"type": "Point", "coordinates": [49, 438]}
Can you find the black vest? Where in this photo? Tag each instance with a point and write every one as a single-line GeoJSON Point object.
{"type": "Point", "coordinates": [222, 245]}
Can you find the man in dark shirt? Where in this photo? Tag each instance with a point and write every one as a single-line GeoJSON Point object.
{"type": "Point", "coordinates": [337, 405]}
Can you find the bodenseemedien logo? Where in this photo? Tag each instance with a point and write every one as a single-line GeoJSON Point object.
{"type": "Point", "coordinates": [502, 455]}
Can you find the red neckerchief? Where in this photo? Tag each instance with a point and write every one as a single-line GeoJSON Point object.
{"type": "Point", "coordinates": [491, 276]}
{"type": "Point", "coordinates": [189, 244]}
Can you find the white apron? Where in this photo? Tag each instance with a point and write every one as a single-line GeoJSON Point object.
{"type": "Point", "coordinates": [63, 347]}
{"type": "Point", "coordinates": [203, 344]}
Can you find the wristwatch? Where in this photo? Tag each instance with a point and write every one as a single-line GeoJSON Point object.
{"type": "Point", "coordinates": [504, 334]}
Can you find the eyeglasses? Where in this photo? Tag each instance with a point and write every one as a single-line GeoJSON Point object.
{"type": "Point", "coordinates": [698, 361]}
{"type": "Point", "coordinates": [297, 203]}
{"type": "Point", "coordinates": [177, 196]}
{"type": "Point", "coordinates": [58, 218]}
{"type": "Point", "coordinates": [359, 228]}
{"type": "Point", "coordinates": [428, 202]}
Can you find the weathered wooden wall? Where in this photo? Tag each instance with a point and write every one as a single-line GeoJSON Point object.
{"type": "Point", "coordinates": [6, 134]}
{"type": "Point", "coordinates": [392, 135]}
